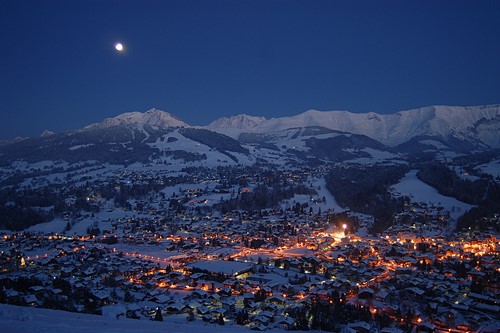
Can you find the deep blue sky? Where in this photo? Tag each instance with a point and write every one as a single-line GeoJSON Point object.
{"type": "Point", "coordinates": [202, 60]}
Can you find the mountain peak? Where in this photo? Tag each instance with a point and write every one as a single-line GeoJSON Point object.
{"type": "Point", "coordinates": [152, 117]}
{"type": "Point", "coordinates": [241, 121]}
{"type": "Point", "coordinates": [46, 133]}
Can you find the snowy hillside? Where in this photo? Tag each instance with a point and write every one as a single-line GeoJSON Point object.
{"type": "Point", "coordinates": [419, 191]}
{"type": "Point", "coordinates": [14, 319]}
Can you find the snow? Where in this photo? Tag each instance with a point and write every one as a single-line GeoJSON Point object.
{"type": "Point", "coordinates": [101, 220]}
{"type": "Point", "coordinates": [242, 121]}
{"type": "Point", "coordinates": [434, 143]}
{"type": "Point", "coordinates": [394, 129]}
{"type": "Point", "coordinates": [419, 191]}
{"type": "Point", "coordinates": [298, 252]}
{"type": "Point", "coordinates": [316, 201]}
{"type": "Point", "coordinates": [56, 225]}
{"type": "Point", "coordinates": [152, 117]}
{"type": "Point", "coordinates": [491, 168]}
{"type": "Point", "coordinates": [76, 173]}
{"type": "Point", "coordinates": [214, 157]}
{"type": "Point", "coordinates": [16, 319]}
{"type": "Point", "coordinates": [376, 156]}
{"type": "Point", "coordinates": [80, 146]}
{"type": "Point", "coordinates": [221, 266]}
{"type": "Point", "coordinates": [319, 183]}
{"type": "Point", "coordinates": [390, 129]}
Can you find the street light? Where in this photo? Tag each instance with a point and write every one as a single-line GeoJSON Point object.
{"type": "Point", "coordinates": [345, 228]}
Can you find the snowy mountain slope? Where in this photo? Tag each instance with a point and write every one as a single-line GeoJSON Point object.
{"type": "Point", "coordinates": [478, 125]}
{"type": "Point", "coordinates": [125, 144]}
{"type": "Point", "coordinates": [152, 117]}
{"type": "Point", "coordinates": [242, 121]}
{"type": "Point", "coordinates": [312, 135]}
{"type": "Point", "coordinates": [314, 143]}
{"type": "Point", "coordinates": [291, 138]}
{"type": "Point", "coordinates": [198, 145]}
{"type": "Point", "coordinates": [235, 125]}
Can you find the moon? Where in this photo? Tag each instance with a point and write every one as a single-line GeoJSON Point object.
{"type": "Point", "coordinates": [119, 47]}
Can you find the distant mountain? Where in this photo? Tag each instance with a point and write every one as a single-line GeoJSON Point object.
{"type": "Point", "coordinates": [243, 122]}
{"type": "Point", "coordinates": [311, 137]}
{"type": "Point", "coordinates": [126, 144]}
{"type": "Point", "coordinates": [478, 126]}
{"type": "Point", "coordinates": [153, 117]}
{"type": "Point", "coordinates": [46, 133]}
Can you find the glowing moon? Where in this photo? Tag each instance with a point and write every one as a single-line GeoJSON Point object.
{"type": "Point", "coordinates": [119, 47]}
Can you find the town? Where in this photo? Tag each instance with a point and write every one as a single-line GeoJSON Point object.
{"type": "Point", "coordinates": [381, 244]}
{"type": "Point", "coordinates": [294, 269]}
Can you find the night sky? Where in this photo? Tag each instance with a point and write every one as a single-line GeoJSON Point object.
{"type": "Point", "coordinates": [201, 60]}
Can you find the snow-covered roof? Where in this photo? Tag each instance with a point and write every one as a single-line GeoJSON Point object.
{"type": "Point", "coordinates": [221, 266]}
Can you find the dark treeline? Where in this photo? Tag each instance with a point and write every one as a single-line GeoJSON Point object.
{"type": "Point", "coordinates": [19, 218]}
{"type": "Point", "coordinates": [483, 192]}
{"type": "Point", "coordinates": [448, 183]}
{"type": "Point", "coordinates": [263, 197]}
{"type": "Point", "coordinates": [478, 217]}
{"type": "Point", "coordinates": [24, 207]}
{"type": "Point", "coordinates": [273, 187]}
{"type": "Point", "coordinates": [214, 140]}
{"type": "Point", "coordinates": [366, 190]}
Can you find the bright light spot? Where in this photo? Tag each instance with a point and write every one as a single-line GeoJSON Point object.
{"type": "Point", "coordinates": [119, 47]}
{"type": "Point", "coordinates": [344, 226]}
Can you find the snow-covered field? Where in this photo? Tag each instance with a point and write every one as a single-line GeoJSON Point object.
{"type": "Point", "coordinates": [376, 156]}
{"type": "Point", "coordinates": [16, 319]}
{"type": "Point", "coordinates": [319, 184]}
{"type": "Point", "coordinates": [492, 168]}
{"type": "Point", "coordinates": [419, 191]}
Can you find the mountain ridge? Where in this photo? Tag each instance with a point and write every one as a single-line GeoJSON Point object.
{"type": "Point", "coordinates": [152, 117]}
{"type": "Point", "coordinates": [476, 123]}
{"type": "Point", "coordinates": [474, 126]}
{"type": "Point", "coordinates": [241, 121]}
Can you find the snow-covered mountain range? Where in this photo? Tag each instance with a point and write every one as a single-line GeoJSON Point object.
{"type": "Point", "coordinates": [477, 125]}
{"type": "Point", "coordinates": [242, 122]}
{"type": "Point", "coordinates": [309, 137]}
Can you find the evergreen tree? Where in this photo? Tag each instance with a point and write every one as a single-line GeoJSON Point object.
{"type": "Point", "coordinates": [158, 315]}
{"type": "Point", "coordinates": [221, 319]}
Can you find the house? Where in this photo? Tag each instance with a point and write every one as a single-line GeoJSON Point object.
{"type": "Point", "coordinates": [30, 300]}
{"type": "Point", "coordinates": [360, 327]}
{"type": "Point", "coordinates": [426, 327]}
{"type": "Point", "coordinates": [286, 322]}
{"type": "Point", "coordinates": [277, 299]}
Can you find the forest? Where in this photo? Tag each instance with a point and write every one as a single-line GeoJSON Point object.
{"type": "Point", "coordinates": [366, 190]}
{"type": "Point", "coordinates": [484, 193]}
